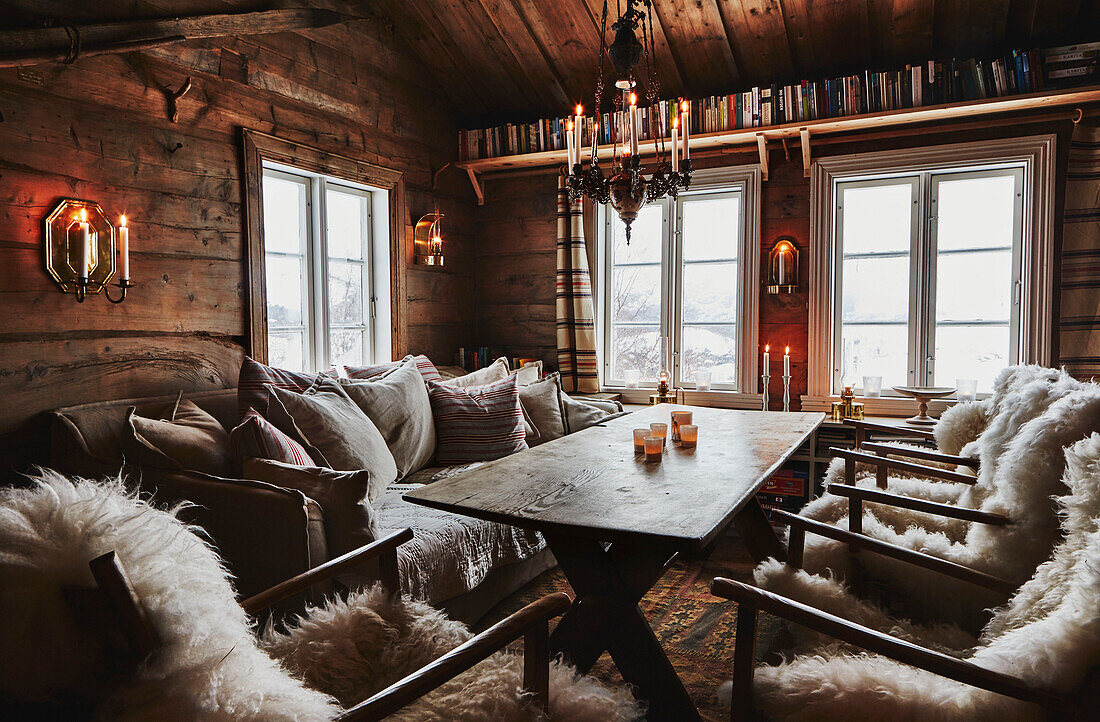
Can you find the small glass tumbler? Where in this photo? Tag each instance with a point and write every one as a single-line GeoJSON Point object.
{"type": "Point", "coordinates": [966, 389]}
{"type": "Point", "coordinates": [678, 418]}
{"type": "Point", "coordinates": [689, 436]}
{"type": "Point", "coordinates": [631, 378]}
{"type": "Point", "coordinates": [872, 386]}
{"type": "Point", "coordinates": [658, 429]}
{"type": "Point", "coordinates": [654, 447]}
{"type": "Point", "coordinates": [702, 380]}
{"type": "Point", "coordinates": [639, 440]}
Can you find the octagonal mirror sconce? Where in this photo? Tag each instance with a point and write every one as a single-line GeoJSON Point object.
{"type": "Point", "coordinates": [428, 240]}
{"type": "Point", "coordinates": [782, 267]}
{"type": "Point", "coordinates": [80, 250]}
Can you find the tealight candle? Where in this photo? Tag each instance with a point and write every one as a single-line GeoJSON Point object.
{"type": "Point", "coordinates": [653, 447]}
{"type": "Point", "coordinates": [678, 418]}
{"type": "Point", "coordinates": [660, 430]}
{"type": "Point", "coordinates": [967, 389]}
{"type": "Point", "coordinates": [639, 440]}
{"type": "Point", "coordinates": [689, 435]}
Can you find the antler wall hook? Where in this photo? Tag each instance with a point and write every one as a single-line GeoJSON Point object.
{"type": "Point", "coordinates": [173, 100]}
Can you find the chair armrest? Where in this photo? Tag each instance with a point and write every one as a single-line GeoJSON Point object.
{"type": "Point", "coordinates": [862, 427]}
{"type": "Point", "coordinates": [332, 568]}
{"type": "Point", "coordinates": [879, 496]}
{"type": "Point", "coordinates": [883, 463]}
{"type": "Point", "coordinates": [800, 525]}
{"type": "Point", "coordinates": [750, 599]}
{"type": "Point", "coordinates": [925, 454]}
{"type": "Point", "coordinates": [532, 617]}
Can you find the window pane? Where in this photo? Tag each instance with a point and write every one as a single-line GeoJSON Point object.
{"type": "Point", "coordinates": [345, 346]}
{"type": "Point", "coordinates": [347, 222]}
{"type": "Point", "coordinates": [285, 276]}
{"type": "Point", "coordinates": [635, 348]}
{"type": "Point", "coordinates": [284, 204]}
{"type": "Point", "coordinates": [975, 212]}
{"type": "Point", "coordinates": [645, 237]}
{"type": "Point", "coordinates": [877, 218]}
{"type": "Point", "coordinates": [286, 350]}
{"type": "Point", "coordinates": [974, 286]}
{"type": "Point", "coordinates": [971, 352]}
{"type": "Point", "coordinates": [710, 228]}
{"type": "Point", "coordinates": [875, 350]}
{"type": "Point", "coordinates": [345, 293]}
{"type": "Point", "coordinates": [636, 294]}
{"type": "Point", "coordinates": [875, 289]}
{"type": "Point", "coordinates": [710, 292]}
{"type": "Point", "coordinates": [710, 348]}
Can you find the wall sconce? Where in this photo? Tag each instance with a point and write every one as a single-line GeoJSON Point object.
{"type": "Point", "coordinates": [428, 240]}
{"type": "Point", "coordinates": [80, 249]}
{"type": "Point", "coordinates": [782, 267]}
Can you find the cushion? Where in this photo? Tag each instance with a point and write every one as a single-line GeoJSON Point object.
{"type": "Point", "coordinates": [255, 377]}
{"type": "Point", "coordinates": [423, 363]}
{"type": "Point", "coordinates": [580, 414]}
{"type": "Point", "coordinates": [350, 521]}
{"type": "Point", "coordinates": [496, 371]}
{"type": "Point", "coordinates": [397, 403]}
{"type": "Point", "coordinates": [258, 438]}
{"type": "Point", "coordinates": [543, 410]}
{"type": "Point", "coordinates": [329, 423]}
{"type": "Point", "coordinates": [476, 423]}
{"type": "Point", "coordinates": [529, 373]}
{"type": "Point", "coordinates": [186, 437]}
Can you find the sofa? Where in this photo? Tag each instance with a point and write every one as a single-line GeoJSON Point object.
{"type": "Point", "coordinates": [267, 532]}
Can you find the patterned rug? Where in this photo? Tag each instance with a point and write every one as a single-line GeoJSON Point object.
{"type": "Point", "coordinates": [695, 628]}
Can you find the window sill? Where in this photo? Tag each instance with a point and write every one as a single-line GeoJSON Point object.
{"type": "Point", "coordinates": [717, 399]}
{"type": "Point", "coordinates": [879, 406]}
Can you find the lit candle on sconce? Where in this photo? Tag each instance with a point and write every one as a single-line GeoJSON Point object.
{"type": "Point", "coordinates": [85, 244]}
{"type": "Point", "coordinates": [124, 248]}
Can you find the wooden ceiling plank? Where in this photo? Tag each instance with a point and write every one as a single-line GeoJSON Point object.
{"type": "Point", "coordinates": [529, 55]}
{"type": "Point", "coordinates": [757, 34]}
{"type": "Point", "coordinates": [564, 29]}
{"type": "Point", "coordinates": [697, 36]}
{"type": "Point", "coordinates": [800, 36]}
{"type": "Point", "coordinates": [911, 29]}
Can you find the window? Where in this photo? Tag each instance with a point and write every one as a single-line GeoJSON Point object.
{"type": "Point", "coordinates": [931, 264]}
{"type": "Point", "coordinates": [318, 261]}
{"type": "Point", "coordinates": [676, 298]}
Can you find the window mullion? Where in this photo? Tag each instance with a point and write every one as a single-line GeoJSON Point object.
{"type": "Point", "coordinates": [320, 250]}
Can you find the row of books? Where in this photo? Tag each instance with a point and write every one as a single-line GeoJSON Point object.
{"type": "Point", "coordinates": [932, 83]}
{"type": "Point", "coordinates": [473, 359]}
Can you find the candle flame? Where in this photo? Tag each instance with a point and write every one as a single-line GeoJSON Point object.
{"type": "Point", "coordinates": [569, 125]}
{"type": "Point", "coordinates": [83, 215]}
{"type": "Point", "coordinates": [685, 106]}
{"type": "Point", "coordinates": [787, 351]}
{"type": "Point", "coordinates": [767, 347]}
{"type": "Point", "coordinates": [633, 99]}
{"type": "Point", "coordinates": [579, 109]}
{"type": "Point", "coordinates": [676, 122]}
{"type": "Point", "coordinates": [122, 221]}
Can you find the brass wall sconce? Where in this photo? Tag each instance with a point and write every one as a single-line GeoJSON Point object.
{"type": "Point", "coordinates": [428, 240]}
{"type": "Point", "coordinates": [782, 267]}
{"type": "Point", "coordinates": [80, 250]}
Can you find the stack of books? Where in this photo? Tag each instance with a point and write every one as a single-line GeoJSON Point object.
{"type": "Point", "coordinates": [1070, 65]}
{"type": "Point", "coordinates": [787, 489]}
{"type": "Point", "coordinates": [473, 359]}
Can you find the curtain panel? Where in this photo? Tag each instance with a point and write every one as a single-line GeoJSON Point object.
{"type": "Point", "coordinates": [575, 313]}
{"type": "Point", "coordinates": [1079, 322]}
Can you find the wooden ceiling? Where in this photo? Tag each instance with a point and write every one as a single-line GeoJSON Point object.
{"type": "Point", "coordinates": [514, 59]}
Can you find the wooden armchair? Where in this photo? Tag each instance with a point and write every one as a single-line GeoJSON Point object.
{"type": "Point", "coordinates": [531, 623]}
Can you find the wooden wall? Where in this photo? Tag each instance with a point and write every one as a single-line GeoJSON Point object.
{"type": "Point", "coordinates": [98, 130]}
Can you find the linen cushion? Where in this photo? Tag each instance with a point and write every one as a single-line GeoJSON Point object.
{"type": "Point", "coordinates": [254, 379]}
{"type": "Point", "coordinates": [350, 521]}
{"type": "Point", "coordinates": [580, 414]}
{"type": "Point", "coordinates": [529, 373]}
{"type": "Point", "coordinates": [186, 437]}
{"type": "Point", "coordinates": [397, 402]}
{"type": "Point", "coordinates": [334, 430]}
{"type": "Point", "coordinates": [543, 409]}
{"type": "Point", "coordinates": [423, 363]}
{"type": "Point", "coordinates": [476, 423]}
{"type": "Point", "coordinates": [258, 438]}
{"type": "Point", "coordinates": [496, 371]}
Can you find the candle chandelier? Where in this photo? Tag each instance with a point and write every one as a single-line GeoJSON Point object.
{"type": "Point", "coordinates": [627, 188]}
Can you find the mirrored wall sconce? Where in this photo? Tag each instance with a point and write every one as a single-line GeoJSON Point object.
{"type": "Point", "coordinates": [428, 240]}
{"type": "Point", "coordinates": [782, 267]}
{"type": "Point", "coordinates": [80, 249]}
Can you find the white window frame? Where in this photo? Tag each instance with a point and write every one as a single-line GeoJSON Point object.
{"type": "Point", "coordinates": [709, 181]}
{"type": "Point", "coordinates": [1034, 154]}
{"type": "Point", "coordinates": [376, 340]}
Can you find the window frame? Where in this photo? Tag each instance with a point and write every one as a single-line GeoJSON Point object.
{"type": "Point", "coordinates": [1034, 154]}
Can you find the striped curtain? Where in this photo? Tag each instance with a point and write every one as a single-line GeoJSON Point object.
{"type": "Point", "coordinates": [1079, 325]}
{"type": "Point", "coordinates": [576, 319]}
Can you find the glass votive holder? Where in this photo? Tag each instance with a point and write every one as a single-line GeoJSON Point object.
{"type": "Point", "coordinates": [631, 377]}
{"type": "Point", "coordinates": [654, 446]}
{"type": "Point", "coordinates": [639, 440]}
{"type": "Point", "coordinates": [689, 435]}
{"type": "Point", "coordinates": [702, 380]}
{"type": "Point", "coordinates": [966, 389]}
{"type": "Point", "coordinates": [660, 430]}
{"type": "Point", "coordinates": [872, 386]}
{"type": "Point", "coordinates": [678, 418]}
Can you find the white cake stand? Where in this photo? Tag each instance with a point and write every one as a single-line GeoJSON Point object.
{"type": "Point", "coordinates": [923, 394]}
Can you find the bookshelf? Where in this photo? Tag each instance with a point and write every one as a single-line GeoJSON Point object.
{"type": "Point", "coordinates": [803, 131]}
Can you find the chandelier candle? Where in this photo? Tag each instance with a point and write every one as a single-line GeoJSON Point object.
{"type": "Point", "coordinates": [633, 109]}
{"type": "Point", "coordinates": [578, 124]}
{"type": "Point", "coordinates": [675, 144]}
{"type": "Point", "coordinates": [570, 146]}
{"type": "Point", "coordinates": [685, 120]}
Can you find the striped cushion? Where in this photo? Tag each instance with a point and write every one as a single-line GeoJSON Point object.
{"type": "Point", "coordinates": [476, 423]}
{"type": "Point", "coordinates": [251, 393]}
{"type": "Point", "coordinates": [423, 364]}
{"type": "Point", "coordinates": [257, 438]}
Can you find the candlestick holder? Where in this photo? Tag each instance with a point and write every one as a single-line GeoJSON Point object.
{"type": "Point", "coordinates": [786, 392]}
{"type": "Point", "coordinates": [766, 378]}
{"type": "Point", "coordinates": [82, 287]}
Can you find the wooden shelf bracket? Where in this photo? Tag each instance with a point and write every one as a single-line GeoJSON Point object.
{"type": "Point", "coordinates": [476, 183]}
{"type": "Point", "coordinates": [804, 138]}
{"type": "Point", "coordinates": [762, 147]}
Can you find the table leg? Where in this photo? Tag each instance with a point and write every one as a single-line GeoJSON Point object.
{"type": "Point", "coordinates": [757, 533]}
{"type": "Point", "coordinates": [605, 616]}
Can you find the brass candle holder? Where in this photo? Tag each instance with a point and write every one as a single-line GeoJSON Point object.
{"type": "Point", "coordinates": [847, 408]}
{"type": "Point", "coordinates": [665, 393]}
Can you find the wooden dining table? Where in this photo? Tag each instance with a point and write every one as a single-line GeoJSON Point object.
{"type": "Point", "coordinates": [615, 522]}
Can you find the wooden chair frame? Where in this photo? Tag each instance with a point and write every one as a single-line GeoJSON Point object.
{"type": "Point", "coordinates": [531, 623]}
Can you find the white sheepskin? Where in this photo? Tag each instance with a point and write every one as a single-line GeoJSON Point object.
{"type": "Point", "coordinates": [335, 648]}
{"type": "Point", "coordinates": [1048, 635]}
{"type": "Point", "coordinates": [209, 667]}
